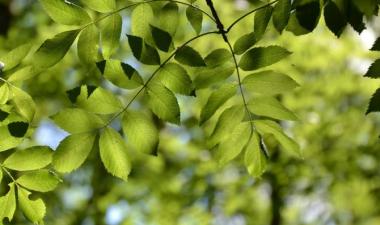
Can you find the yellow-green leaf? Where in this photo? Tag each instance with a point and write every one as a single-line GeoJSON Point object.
{"type": "Point", "coordinates": [110, 29]}
{"type": "Point", "coordinates": [34, 210]}
{"type": "Point", "coordinates": [32, 158]}
{"type": "Point", "coordinates": [40, 180]}
{"type": "Point", "coordinates": [65, 12]}
{"type": "Point", "coordinates": [254, 158]}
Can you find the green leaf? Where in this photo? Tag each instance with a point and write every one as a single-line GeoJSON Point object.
{"type": "Point", "coordinates": [23, 74]}
{"type": "Point", "coordinates": [254, 158]}
{"type": "Point", "coordinates": [271, 127]}
{"type": "Point", "coordinates": [14, 57]}
{"type": "Point", "coordinates": [308, 13]}
{"type": "Point", "coordinates": [65, 12]}
{"type": "Point", "coordinates": [270, 107]}
{"type": "Point", "coordinates": [73, 151]}
{"type": "Point", "coordinates": [142, 51]}
{"type": "Point", "coordinates": [245, 42]}
{"type": "Point", "coordinates": [216, 100]}
{"type": "Point", "coordinates": [226, 123]}
{"type": "Point", "coordinates": [376, 45]}
{"type": "Point", "coordinates": [355, 17]}
{"type": "Point", "coordinates": [281, 14]}
{"type": "Point", "coordinates": [219, 67]}
{"type": "Point", "coordinates": [261, 21]}
{"type": "Point", "coordinates": [195, 17]}
{"type": "Point", "coordinates": [88, 44]}
{"type": "Point", "coordinates": [40, 180]}
{"type": "Point", "coordinates": [169, 18]}
{"type": "Point", "coordinates": [32, 158]}
{"type": "Point", "coordinates": [77, 121]}
{"type": "Point", "coordinates": [259, 57]}
{"type": "Point", "coordinates": [120, 74]}
{"type": "Point", "coordinates": [374, 104]}
{"type": "Point", "coordinates": [113, 153]}
{"type": "Point", "coordinates": [101, 101]}
{"type": "Point", "coordinates": [110, 29]}
{"type": "Point", "coordinates": [175, 77]}
{"type": "Point", "coordinates": [374, 70]}
{"type": "Point", "coordinates": [23, 103]}
{"type": "Point", "coordinates": [141, 131]}
{"type": "Point", "coordinates": [4, 94]}
{"type": "Point", "coordinates": [334, 18]}
{"type": "Point", "coordinates": [231, 147]}
{"type": "Point", "coordinates": [163, 103]}
{"type": "Point", "coordinates": [54, 49]}
{"type": "Point", "coordinates": [368, 7]}
{"type": "Point", "coordinates": [161, 38]}
{"type": "Point", "coordinates": [103, 6]}
{"type": "Point", "coordinates": [8, 204]}
{"type": "Point", "coordinates": [1, 177]}
{"type": "Point", "coordinates": [269, 83]}
{"type": "Point", "coordinates": [34, 210]}
{"type": "Point", "coordinates": [188, 56]}
{"type": "Point", "coordinates": [7, 141]}
{"type": "Point", "coordinates": [142, 16]}
{"type": "Point", "coordinates": [18, 129]}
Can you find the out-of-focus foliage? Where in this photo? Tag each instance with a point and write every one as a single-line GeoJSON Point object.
{"type": "Point", "coordinates": [188, 177]}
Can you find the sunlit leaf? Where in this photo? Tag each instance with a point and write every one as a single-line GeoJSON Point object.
{"type": "Point", "coordinates": [270, 107]}
{"type": "Point", "coordinates": [142, 16]}
{"type": "Point", "coordinates": [32, 158]}
{"type": "Point", "coordinates": [88, 44]}
{"type": "Point", "coordinates": [14, 57]}
{"type": "Point", "coordinates": [259, 57]}
{"type": "Point", "coordinates": [101, 101]}
{"type": "Point", "coordinates": [176, 78]}
{"type": "Point", "coordinates": [110, 29]}
{"type": "Point", "coordinates": [34, 210]}
{"type": "Point", "coordinates": [254, 158]}
{"type": "Point", "coordinates": [23, 103]}
{"type": "Point", "coordinates": [103, 6]}
{"type": "Point", "coordinates": [65, 12]}
{"type": "Point", "coordinates": [40, 180]}
{"type": "Point", "coordinates": [8, 204]}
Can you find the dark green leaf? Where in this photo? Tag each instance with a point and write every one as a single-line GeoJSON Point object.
{"type": "Point", "coordinates": [334, 19]}
{"type": "Point", "coordinates": [281, 14]}
{"type": "Point", "coordinates": [374, 104]}
{"type": "Point", "coordinates": [18, 129]}
{"type": "Point", "coordinates": [374, 70]}
{"type": "Point", "coordinates": [259, 57]}
{"type": "Point", "coordinates": [195, 17]}
{"type": "Point", "coordinates": [142, 51]}
{"type": "Point", "coordinates": [188, 56]}
{"type": "Point", "coordinates": [245, 42]}
{"type": "Point", "coordinates": [308, 14]}
{"type": "Point", "coordinates": [376, 45]}
{"type": "Point", "coordinates": [261, 21]}
{"type": "Point", "coordinates": [161, 38]}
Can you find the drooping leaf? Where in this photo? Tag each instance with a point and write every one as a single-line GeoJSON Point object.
{"type": "Point", "coordinates": [65, 12]}
{"type": "Point", "coordinates": [142, 51]}
{"type": "Point", "coordinates": [54, 49]}
{"type": "Point", "coordinates": [23, 103]}
{"type": "Point", "coordinates": [219, 67]}
{"type": "Point", "coordinates": [175, 77]}
{"type": "Point", "coordinates": [259, 57]}
{"type": "Point", "coordinates": [231, 147]}
{"type": "Point", "coordinates": [163, 103]}
{"type": "Point", "coordinates": [141, 131]}
{"type": "Point", "coordinates": [281, 14]}
{"type": "Point", "coordinates": [88, 44]}
{"type": "Point", "coordinates": [195, 17]}
{"type": "Point", "coordinates": [40, 180]}
{"type": "Point", "coordinates": [269, 83]}
{"type": "Point", "coordinates": [120, 74]}
{"type": "Point", "coordinates": [4, 94]}
{"type": "Point", "coordinates": [32, 158]}
{"type": "Point", "coordinates": [110, 29]}
{"type": "Point", "coordinates": [76, 121]}
{"type": "Point", "coordinates": [101, 101]}
{"type": "Point", "coordinates": [334, 18]}
{"type": "Point", "coordinates": [261, 21]}
{"type": "Point", "coordinates": [142, 16]}
{"type": "Point", "coordinates": [161, 38]}
{"type": "Point", "coordinates": [34, 210]}
{"type": "Point", "coordinates": [18, 129]}
{"type": "Point", "coordinates": [245, 42]}
{"type": "Point", "coordinates": [374, 70]}
{"type": "Point", "coordinates": [226, 123]}
{"type": "Point", "coordinates": [113, 153]}
{"type": "Point", "coordinates": [73, 151]}
{"type": "Point", "coordinates": [308, 14]}
{"type": "Point", "coordinates": [374, 104]}
{"type": "Point", "coordinates": [14, 57]}
{"type": "Point", "coordinates": [271, 127]}
{"type": "Point", "coordinates": [254, 158]}
{"type": "Point", "coordinates": [270, 107]}
{"type": "Point", "coordinates": [188, 56]}
{"type": "Point", "coordinates": [169, 18]}
{"type": "Point", "coordinates": [8, 204]}
{"type": "Point", "coordinates": [217, 99]}
{"type": "Point", "coordinates": [355, 18]}
{"type": "Point", "coordinates": [103, 6]}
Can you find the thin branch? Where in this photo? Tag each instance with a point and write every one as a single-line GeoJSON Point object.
{"type": "Point", "coordinates": [143, 2]}
{"type": "Point", "coordinates": [155, 72]}
{"type": "Point", "coordinates": [249, 13]}
{"type": "Point", "coordinates": [9, 174]}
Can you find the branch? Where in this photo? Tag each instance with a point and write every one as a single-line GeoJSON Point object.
{"type": "Point", "coordinates": [155, 72]}
{"type": "Point", "coordinates": [249, 13]}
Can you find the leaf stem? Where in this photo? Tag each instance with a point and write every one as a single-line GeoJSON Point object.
{"type": "Point", "coordinates": [155, 72]}
{"type": "Point", "coordinates": [249, 13]}
{"type": "Point", "coordinates": [9, 174]}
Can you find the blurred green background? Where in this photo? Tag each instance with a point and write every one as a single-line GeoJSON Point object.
{"type": "Point", "coordinates": [337, 182]}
